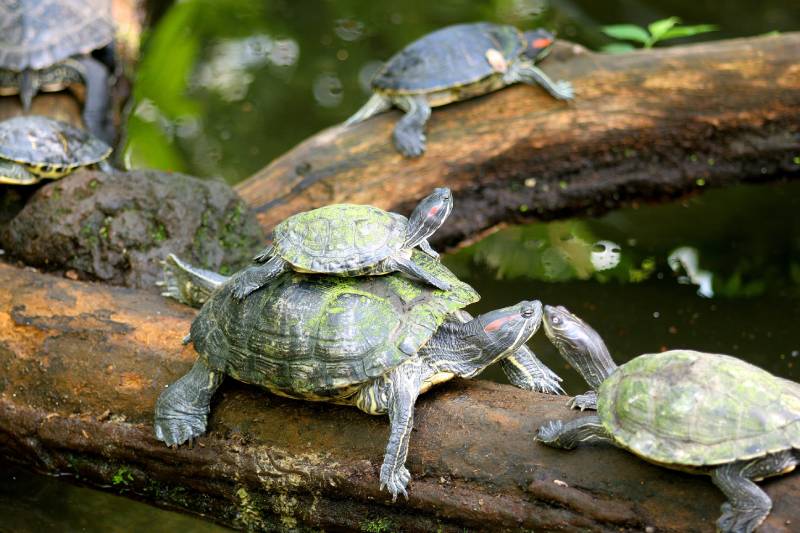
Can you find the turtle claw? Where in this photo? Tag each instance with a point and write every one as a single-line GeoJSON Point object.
{"type": "Point", "coordinates": [395, 481]}
{"type": "Point", "coordinates": [410, 143]}
{"type": "Point", "coordinates": [740, 520]}
{"type": "Point", "coordinates": [175, 431]}
{"type": "Point", "coordinates": [584, 401]}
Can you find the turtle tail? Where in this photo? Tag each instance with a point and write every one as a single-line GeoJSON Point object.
{"type": "Point", "coordinates": [375, 105]}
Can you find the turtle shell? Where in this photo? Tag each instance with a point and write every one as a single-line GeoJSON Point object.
{"type": "Point", "coordinates": [696, 409]}
{"type": "Point", "coordinates": [320, 337]}
{"type": "Point", "coordinates": [40, 33]}
{"type": "Point", "coordinates": [454, 56]}
{"type": "Point", "coordinates": [49, 147]}
{"type": "Point", "coordinates": [339, 238]}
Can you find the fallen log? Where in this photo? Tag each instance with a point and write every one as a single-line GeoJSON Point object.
{"type": "Point", "coordinates": [644, 126]}
{"type": "Point", "coordinates": [83, 363]}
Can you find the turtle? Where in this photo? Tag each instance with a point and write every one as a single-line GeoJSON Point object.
{"type": "Point", "coordinates": [35, 147]}
{"type": "Point", "coordinates": [373, 342]}
{"type": "Point", "coordinates": [452, 64]}
{"type": "Point", "coordinates": [47, 45]}
{"type": "Point", "coordinates": [350, 240]}
{"type": "Point", "coordinates": [702, 413]}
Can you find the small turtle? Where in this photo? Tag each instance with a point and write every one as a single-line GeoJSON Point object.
{"type": "Point", "coordinates": [350, 240]}
{"type": "Point", "coordinates": [453, 64]}
{"type": "Point", "coordinates": [698, 412]}
{"type": "Point", "coordinates": [47, 45]}
{"type": "Point", "coordinates": [373, 342]}
{"type": "Point", "coordinates": [194, 286]}
{"type": "Point", "coordinates": [34, 147]}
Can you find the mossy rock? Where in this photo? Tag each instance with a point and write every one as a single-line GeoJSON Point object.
{"type": "Point", "coordinates": [117, 227]}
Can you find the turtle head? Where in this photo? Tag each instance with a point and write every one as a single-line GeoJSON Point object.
{"type": "Point", "coordinates": [429, 216]}
{"type": "Point", "coordinates": [539, 42]}
{"type": "Point", "coordinates": [505, 330]}
{"type": "Point", "coordinates": [579, 344]}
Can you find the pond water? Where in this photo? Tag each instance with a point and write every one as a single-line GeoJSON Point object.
{"type": "Point", "coordinates": [225, 86]}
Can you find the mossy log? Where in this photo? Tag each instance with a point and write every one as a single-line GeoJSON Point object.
{"type": "Point", "coordinates": [83, 363]}
{"type": "Point", "coordinates": [647, 125]}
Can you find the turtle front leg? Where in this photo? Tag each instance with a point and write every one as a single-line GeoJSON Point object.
{"type": "Point", "coordinates": [256, 276]}
{"type": "Point", "coordinates": [525, 371]}
{"type": "Point", "coordinates": [410, 268]}
{"type": "Point", "coordinates": [747, 504]}
{"type": "Point", "coordinates": [533, 75]}
{"type": "Point", "coordinates": [567, 435]}
{"type": "Point", "coordinates": [97, 106]}
{"type": "Point", "coordinates": [182, 409]}
{"type": "Point", "coordinates": [409, 134]}
{"type": "Point", "coordinates": [425, 246]}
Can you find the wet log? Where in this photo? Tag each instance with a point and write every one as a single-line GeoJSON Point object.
{"type": "Point", "coordinates": [83, 363]}
{"type": "Point", "coordinates": [647, 125]}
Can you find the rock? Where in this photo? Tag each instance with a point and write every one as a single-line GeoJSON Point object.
{"type": "Point", "coordinates": [117, 227]}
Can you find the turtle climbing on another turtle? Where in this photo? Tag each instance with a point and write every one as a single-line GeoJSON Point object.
{"type": "Point", "coordinates": [373, 342]}
{"type": "Point", "coordinates": [453, 64]}
{"type": "Point", "coordinates": [47, 45]}
{"type": "Point", "coordinates": [350, 240]}
{"type": "Point", "coordinates": [34, 147]}
{"type": "Point", "coordinates": [698, 412]}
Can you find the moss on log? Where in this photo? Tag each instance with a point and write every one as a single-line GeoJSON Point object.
{"type": "Point", "coordinates": [646, 125]}
{"type": "Point", "coordinates": [83, 363]}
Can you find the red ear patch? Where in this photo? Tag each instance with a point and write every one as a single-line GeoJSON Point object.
{"type": "Point", "coordinates": [494, 325]}
{"type": "Point", "coordinates": [542, 42]}
{"type": "Point", "coordinates": [433, 211]}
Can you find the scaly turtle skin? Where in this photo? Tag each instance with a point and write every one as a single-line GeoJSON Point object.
{"type": "Point", "coordinates": [453, 64]}
{"type": "Point", "coordinates": [47, 44]}
{"type": "Point", "coordinates": [693, 411]}
{"type": "Point", "coordinates": [34, 147]}
{"type": "Point", "coordinates": [350, 240]}
{"type": "Point", "coordinates": [372, 342]}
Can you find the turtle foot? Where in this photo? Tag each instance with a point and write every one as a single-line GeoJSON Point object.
{"type": "Point", "coordinates": [241, 290]}
{"type": "Point", "coordinates": [583, 401]}
{"type": "Point", "coordinates": [176, 429]}
{"type": "Point", "coordinates": [409, 143]}
{"type": "Point", "coordinates": [549, 433]}
{"type": "Point", "coordinates": [395, 480]}
{"type": "Point", "coordinates": [562, 90]}
{"type": "Point", "coordinates": [741, 520]}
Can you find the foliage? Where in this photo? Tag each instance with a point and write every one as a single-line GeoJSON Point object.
{"type": "Point", "coordinates": [658, 31]}
{"type": "Point", "coordinates": [122, 476]}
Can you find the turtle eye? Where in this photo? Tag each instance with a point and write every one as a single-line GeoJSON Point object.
{"type": "Point", "coordinates": [556, 320]}
{"type": "Point", "coordinates": [527, 312]}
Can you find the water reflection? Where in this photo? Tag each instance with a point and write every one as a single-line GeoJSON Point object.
{"type": "Point", "coordinates": [687, 259]}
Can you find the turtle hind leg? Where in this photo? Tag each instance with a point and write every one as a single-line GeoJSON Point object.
{"type": "Point", "coordinates": [409, 134]}
{"type": "Point", "coordinates": [182, 409]}
{"type": "Point", "coordinates": [567, 435]}
{"type": "Point", "coordinates": [256, 276]}
{"type": "Point", "coordinates": [410, 268]}
{"type": "Point", "coordinates": [533, 75]}
{"type": "Point", "coordinates": [747, 504]}
{"type": "Point", "coordinates": [375, 105]}
{"type": "Point", "coordinates": [97, 107]}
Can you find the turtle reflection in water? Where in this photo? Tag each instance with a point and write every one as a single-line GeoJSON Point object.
{"type": "Point", "coordinates": [350, 240]}
{"type": "Point", "coordinates": [697, 412]}
{"type": "Point", "coordinates": [34, 147]}
{"type": "Point", "coordinates": [373, 342]}
{"type": "Point", "coordinates": [48, 44]}
{"type": "Point", "coordinates": [453, 64]}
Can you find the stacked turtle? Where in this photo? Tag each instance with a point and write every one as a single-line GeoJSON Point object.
{"type": "Point", "coordinates": [343, 308]}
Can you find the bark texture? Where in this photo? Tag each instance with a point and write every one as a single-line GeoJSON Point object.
{"type": "Point", "coordinates": [644, 126]}
{"type": "Point", "coordinates": [82, 365]}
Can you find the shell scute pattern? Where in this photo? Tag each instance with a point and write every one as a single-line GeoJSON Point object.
{"type": "Point", "coordinates": [49, 145]}
{"type": "Point", "coordinates": [451, 57]}
{"type": "Point", "coordinates": [317, 337]}
{"type": "Point", "coordinates": [691, 408]}
{"type": "Point", "coordinates": [339, 238]}
{"type": "Point", "coordinates": [39, 33]}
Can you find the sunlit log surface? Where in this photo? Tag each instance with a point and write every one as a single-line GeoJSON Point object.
{"type": "Point", "coordinates": [647, 125]}
{"type": "Point", "coordinates": [82, 365]}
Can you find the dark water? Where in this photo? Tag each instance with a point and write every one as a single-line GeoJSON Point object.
{"type": "Point", "coordinates": [225, 86]}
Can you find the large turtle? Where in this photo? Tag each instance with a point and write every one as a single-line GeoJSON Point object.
{"type": "Point", "coordinates": [47, 45]}
{"type": "Point", "coordinates": [697, 412]}
{"type": "Point", "coordinates": [34, 147]}
{"type": "Point", "coordinates": [350, 240]}
{"type": "Point", "coordinates": [372, 342]}
{"type": "Point", "coordinates": [452, 64]}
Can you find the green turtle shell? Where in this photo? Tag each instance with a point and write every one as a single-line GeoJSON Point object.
{"type": "Point", "coordinates": [40, 33]}
{"type": "Point", "coordinates": [339, 238]}
{"type": "Point", "coordinates": [47, 147]}
{"type": "Point", "coordinates": [451, 57]}
{"type": "Point", "coordinates": [320, 337]}
{"type": "Point", "coordinates": [695, 409]}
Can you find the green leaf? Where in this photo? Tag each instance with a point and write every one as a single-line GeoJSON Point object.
{"type": "Point", "coordinates": [617, 48]}
{"type": "Point", "coordinates": [629, 32]}
{"type": "Point", "coordinates": [660, 27]}
{"type": "Point", "coordinates": [687, 31]}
